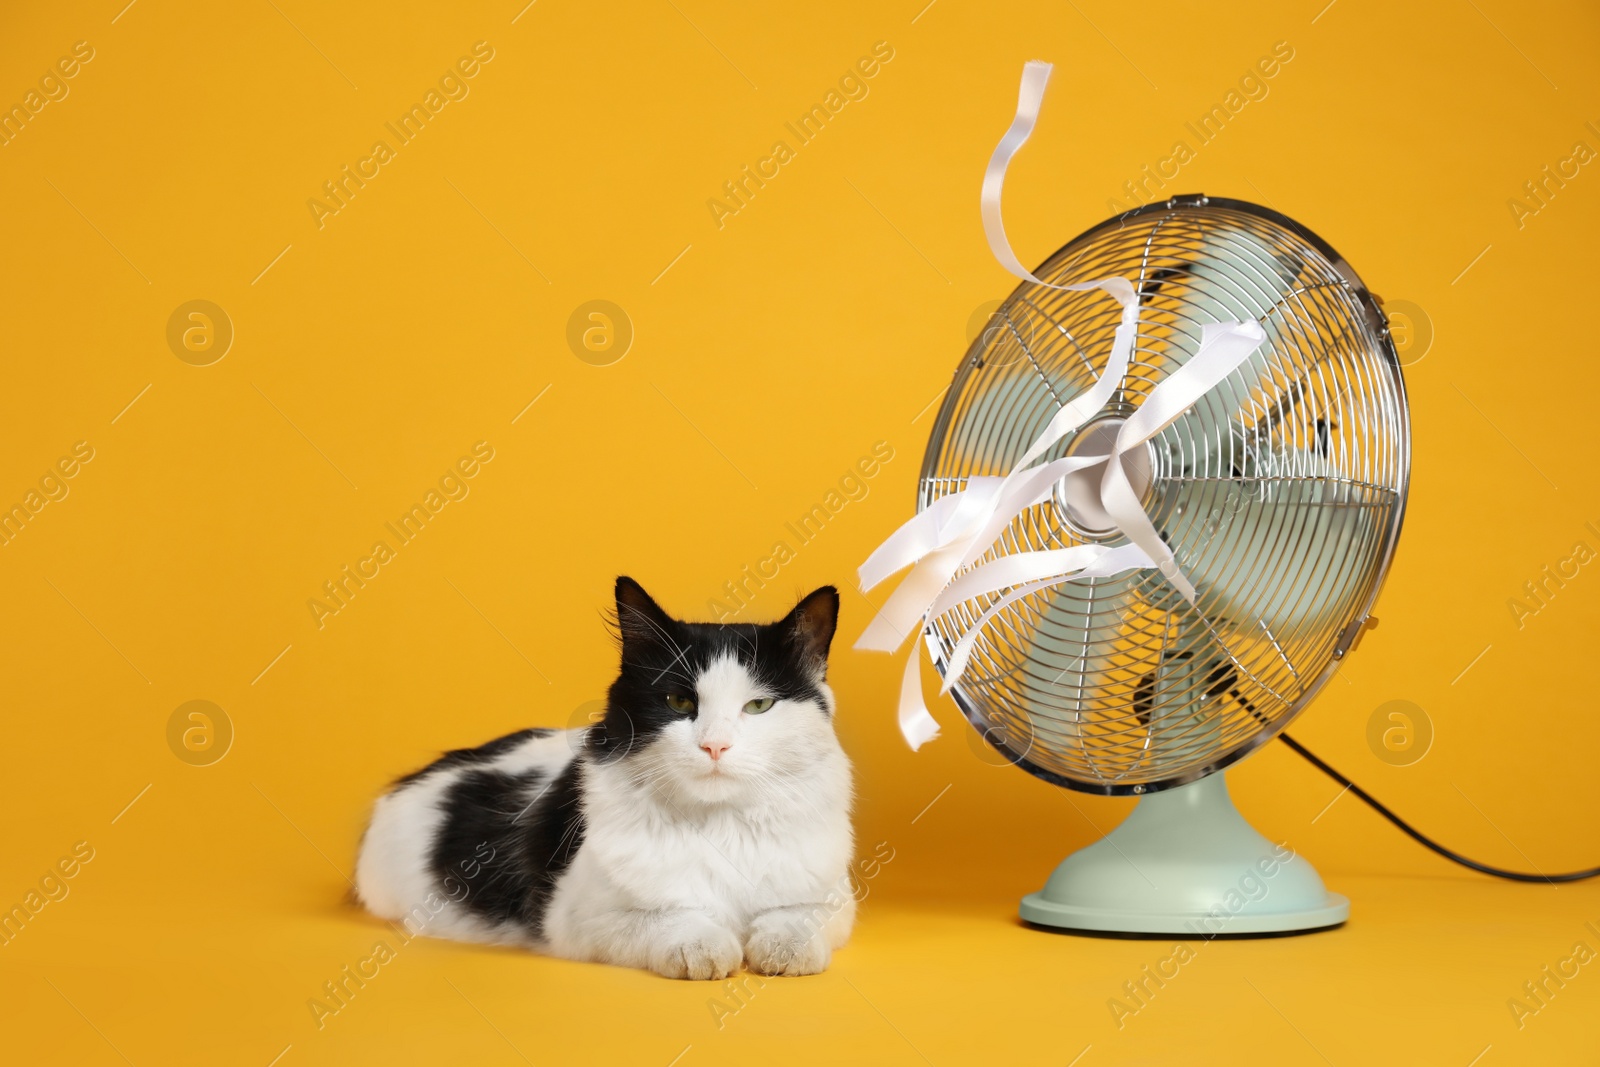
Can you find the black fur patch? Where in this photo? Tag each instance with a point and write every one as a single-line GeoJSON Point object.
{"type": "Point", "coordinates": [553, 834]}
{"type": "Point", "coordinates": [505, 840]}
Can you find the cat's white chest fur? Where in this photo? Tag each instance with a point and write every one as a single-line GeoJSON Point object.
{"type": "Point", "coordinates": [644, 852]}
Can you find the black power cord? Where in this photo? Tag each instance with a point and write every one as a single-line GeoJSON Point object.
{"type": "Point", "coordinates": [1427, 842]}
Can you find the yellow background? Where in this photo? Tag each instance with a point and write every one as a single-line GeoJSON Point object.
{"type": "Point", "coordinates": [770, 354]}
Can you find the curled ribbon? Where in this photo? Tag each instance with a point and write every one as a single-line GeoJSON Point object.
{"type": "Point", "coordinates": [955, 531]}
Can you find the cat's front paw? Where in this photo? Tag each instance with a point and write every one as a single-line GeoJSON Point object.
{"type": "Point", "coordinates": [708, 953]}
{"type": "Point", "coordinates": [786, 949]}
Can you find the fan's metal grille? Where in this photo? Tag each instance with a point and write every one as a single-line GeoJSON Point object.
{"type": "Point", "coordinates": [1280, 493]}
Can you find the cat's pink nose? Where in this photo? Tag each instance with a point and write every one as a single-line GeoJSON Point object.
{"type": "Point", "coordinates": [715, 749]}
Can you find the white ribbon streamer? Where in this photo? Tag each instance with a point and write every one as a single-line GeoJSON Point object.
{"type": "Point", "coordinates": [958, 529]}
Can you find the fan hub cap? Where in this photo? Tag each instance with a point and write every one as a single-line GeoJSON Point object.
{"type": "Point", "coordinates": [1078, 494]}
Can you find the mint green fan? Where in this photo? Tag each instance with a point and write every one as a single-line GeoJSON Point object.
{"type": "Point", "coordinates": [1281, 494]}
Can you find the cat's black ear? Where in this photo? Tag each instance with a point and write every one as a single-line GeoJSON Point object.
{"type": "Point", "coordinates": [640, 620]}
{"type": "Point", "coordinates": [809, 627]}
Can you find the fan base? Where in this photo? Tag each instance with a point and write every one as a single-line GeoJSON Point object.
{"type": "Point", "coordinates": [1106, 923]}
{"type": "Point", "coordinates": [1185, 863]}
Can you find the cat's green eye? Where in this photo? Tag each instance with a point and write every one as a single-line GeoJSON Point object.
{"type": "Point", "coordinates": [756, 707]}
{"type": "Point", "coordinates": [681, 704]}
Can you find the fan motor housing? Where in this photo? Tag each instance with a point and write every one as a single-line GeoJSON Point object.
{"type": "Point", "coordinates": [1078, 494]}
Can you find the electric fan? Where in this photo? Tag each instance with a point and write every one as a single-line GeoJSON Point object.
{"type": "Point", "coordinates": [1280, 494]}
{"type": "Point", "coordinates": [1155, 511]}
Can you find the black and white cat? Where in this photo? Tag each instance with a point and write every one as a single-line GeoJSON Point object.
{"type": "Point", "coordinates": [704, 821]}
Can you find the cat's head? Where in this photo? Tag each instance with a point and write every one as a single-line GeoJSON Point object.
{"type": "Point", "coordinates": [717, 712]}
